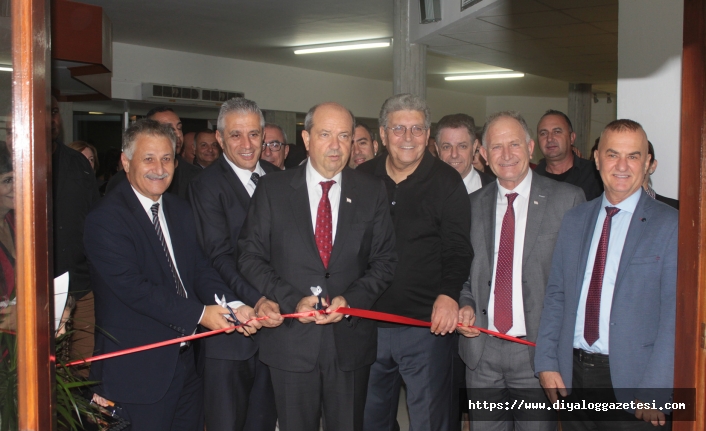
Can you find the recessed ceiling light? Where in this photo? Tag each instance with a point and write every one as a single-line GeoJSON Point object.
{"type": "Point", "coordinates": [485, 75]}
{"type": "Point", "coordinates": [344, 46]}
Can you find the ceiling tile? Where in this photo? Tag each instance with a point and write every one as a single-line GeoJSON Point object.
{"type": "Point", "coordinates": [568, 4]}
{"type": "Point", "coordinates": [469, 26]}
{"type": "Point", "coordinates": [527, 20]}
{"type": "Point", "coordinates": [609, 26]}
{"type": "Point", "coordinates": [591, 40]}
{"type": "Point", "coordinates": [561, 31]}
{"type": "Point", "coordinates": [441, 40]}
{"type": "Point", "coordinates": [508, 7]}
{"type": "Point", "coordinates": [594, 14]}
{"type": "Point", "coordinates": [489, 36]}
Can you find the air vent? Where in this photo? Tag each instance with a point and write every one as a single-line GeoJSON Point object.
{"type": "Point", "coordinates": [186, 95]}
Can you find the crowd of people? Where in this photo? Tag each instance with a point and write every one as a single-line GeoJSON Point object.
{"type": "Point", "coordinates": [214, 229]}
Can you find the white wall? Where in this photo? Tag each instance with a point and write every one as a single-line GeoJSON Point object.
{"type": "Point", "coordinates": [602, 113]}
{"type": "Point", "coordinates": [649, 79]}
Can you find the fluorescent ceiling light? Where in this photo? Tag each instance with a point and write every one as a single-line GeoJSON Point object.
{"type": "Point", "coordinates": [5, 68]}
{"type": "Point", "coordinates": [494, 75]}
{"type": "Point", "coordinates": [95, 113]}
{"type": "Point", "coordinates": [344, 46]}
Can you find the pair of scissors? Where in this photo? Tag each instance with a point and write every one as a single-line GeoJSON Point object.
{"type": "Point", "coordinates": [235, 319]}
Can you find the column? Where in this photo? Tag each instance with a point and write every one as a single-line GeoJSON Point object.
{"type": "Point", "coordinates": [286, 120]}
{"type": "Point", "coordinates": [580, 100]}
{"type": "Point", "coordinates": [409, 60]}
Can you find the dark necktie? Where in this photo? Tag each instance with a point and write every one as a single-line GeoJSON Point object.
{"type": "Point", "coordinates": [591, 331]}
{"type": "Point", "coordinates": [158, 227]}
{"type": "Point", "coordinates": [255, 177]}
{"type": "Point", "coordinates": [323, 234]}
{"type": "Point", "coordinates": [503, 271]}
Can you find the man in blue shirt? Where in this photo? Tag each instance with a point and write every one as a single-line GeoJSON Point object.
{"type": "Point", "coordinates": [609, 312]}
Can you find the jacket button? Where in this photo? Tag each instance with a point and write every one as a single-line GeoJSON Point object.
{"type": "Point", "coordinates": [484, 312]}
{"type": "Point", "coordinates": [488, 283]}
{"type": "Point", "coordinates": [327, 275]}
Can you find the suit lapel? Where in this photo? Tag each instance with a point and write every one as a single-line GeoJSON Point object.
{"type": "Point", "coordinates": [588, 228]}
{"type": "Point", "coordinates": [346, 211]}
{"type": "Point", "coordinates": [177, 240]}
{"type": "Point", "coordinates": [240, 193]}
{"type": "Point", "coordinates": [299, 200]}
{"type": "Point", "coordinates": [488, 203]}
{"type": "Point", "coordinates": [635, 231]}
{"type": "Point", "coordinates": [537, 206]}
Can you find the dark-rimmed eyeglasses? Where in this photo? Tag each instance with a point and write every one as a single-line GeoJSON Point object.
{"type": "Point", "coordinates": [274, 145]}
{"type": "Point", "coordinates": [402, 130]}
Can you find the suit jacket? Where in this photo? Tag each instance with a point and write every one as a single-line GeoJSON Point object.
{"type": "Point", "coordinates": [674, 203]}
{"type": "Point", "coordinates": [548, 202]}
{"type": "Point", "coordinates": [135, 296]}
{"type": "Point", "coordinates": [642, 316]}
{"type": "Point", "coordinates": [75, 191]}
{"type": "Point", "coordinates": [278, 255]}
{"type": "Point", "coordinates": [485, 179]}
{"type": "Point", "coordinates": [220, 203]}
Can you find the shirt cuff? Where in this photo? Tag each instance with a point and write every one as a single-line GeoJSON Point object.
{"type": "Point", "coordinates": [202, 313]}
{"type": "Point", "coordinates": [235, 304]}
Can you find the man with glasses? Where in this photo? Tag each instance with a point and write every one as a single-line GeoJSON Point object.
{"type": "Point", "coordinates": [238, 387]}
{"type": "Point", "coordinates": [431, 212]}
{"type": "Point", "coordinates": [274, 146]}
{"type": "Point", "coordinates": [457, 143]}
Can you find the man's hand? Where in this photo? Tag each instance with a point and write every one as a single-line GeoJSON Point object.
{"type": "Point", "coordinates": [213, 318]}
{"type": "Point", "coordinates": [265, 307]}
{"type": "Point", "coordinates": [467, 317]}
{"type": "Point", "coordinates": [553, 385]}
{"type": "Point", "coordinates": [307, 304]}
{"type": "Point", "coordinates": [444, 317]}
{"type": "Point", "coordinates": [247, 314]}
{"type": "Point", "coordinates": [324, 319]}
{"type": "Point", "coordinates": [654, 416]}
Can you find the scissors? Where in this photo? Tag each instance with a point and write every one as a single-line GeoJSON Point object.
{"type": "Point", "coordinates": [235, 319]}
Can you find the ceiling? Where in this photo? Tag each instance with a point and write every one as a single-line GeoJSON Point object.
{"type": "Point", "coordinates": [553, 41]}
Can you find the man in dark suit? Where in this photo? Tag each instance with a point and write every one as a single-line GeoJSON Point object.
{"type": "Point", "coordinates": [184, 172]}
{"type": "Point", "coordinates": [647, 184]}
{"type": "Point", "coordinates": [457, 143]}
{"type": "Point", "coordinates": [365, 146]}
{"type": "Point", "coordinates": [514, 222]}
{"type": "Point", "coordinates": [238, 388]}
{"type": "Point", "coordinates": [610, 309]}
{"type": "Point", "coordinates": [151, 281]}
{"type": "Point", "coordinates": [320, 234]}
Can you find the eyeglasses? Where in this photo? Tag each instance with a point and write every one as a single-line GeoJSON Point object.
{"type": "Point", "coordinates": [402, 130]}
{"type": "Point", "coordinates": [274, 145]}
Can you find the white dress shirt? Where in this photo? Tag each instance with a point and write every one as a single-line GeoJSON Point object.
{"type": "Point", "coordinates": [618, 232]}
{"type": "Point", "coordinates": [520, 205]}
{"type": "Point", "coordinates": [245, 176]}
{"type": "Point", "coordinates": [147, 205]}
{"type": "Point", "coordinates": [313, 178]}
{"type": "Point", "coordinates": [472, 181]}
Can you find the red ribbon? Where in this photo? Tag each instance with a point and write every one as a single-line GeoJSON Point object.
{"type": "Point", "coordinates": [365, 314]}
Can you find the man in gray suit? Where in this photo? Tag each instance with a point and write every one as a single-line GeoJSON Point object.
{"type": "Point", "coordinates": [514, 225]}
{"type": "Point", "coordinates": [609, 312]}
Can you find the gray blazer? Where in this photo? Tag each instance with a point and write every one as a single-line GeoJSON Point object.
{"type": "Point", "coordinates": [642, 317]}
{"type": "Point", "coordinates": [548, 202]}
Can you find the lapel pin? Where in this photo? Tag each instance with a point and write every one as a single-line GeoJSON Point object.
{"type": "Point", "coordinates": [349, 200]}
{"type": "Point", "coordinates": [541, 196]}
{"type": "Point", "coordinates": [536, 203]}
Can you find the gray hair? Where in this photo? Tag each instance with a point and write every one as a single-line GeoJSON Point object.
{"type": "Point", "coordinates": [238, 105]}
{"type": "Point", "coordinates": [309, 119]}
{"type": "Point", "coordinates": [404, 102]}
{"type": "Point", "coordinates": [278, 127]}
{"type": "Point", "coordinates": [506, 114]}
{"type": "Point", "coordinates": [148, 127]}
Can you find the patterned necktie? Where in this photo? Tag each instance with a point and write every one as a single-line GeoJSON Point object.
{"type": "Point", "coordinates": [323, 234]}
{"type": "Point", "coordinates": [591, 330]}
{"type": "Point", "coordinates": [158, 227]}
{"type": "Point", "coordinates": [255, 177]}
{"type": "Point", "coordinates": [503, 271]}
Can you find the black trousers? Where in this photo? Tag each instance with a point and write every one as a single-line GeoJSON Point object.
{"type": "Point", "coordinates": [238, 395]}
{"type": "Point", "coordinates": [301, 397]}
{"type": "Point", "coordinates": [591, 381]}
{"type": "Point", "coordinates": [181, 408]}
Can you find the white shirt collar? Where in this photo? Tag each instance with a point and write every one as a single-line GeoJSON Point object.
{"type": "Point", "coordinates": [627, 205]}
{"type": "Point", "coordinates": [244, 174]}
{"type": "Point", "coordinates": [522, 189]}
{"type": "Point", "coordinates": [313, 177]}
{"type": "Point", "coordinates": [147, 202]}
{"type": "Point", "coordinates": [471, 180]}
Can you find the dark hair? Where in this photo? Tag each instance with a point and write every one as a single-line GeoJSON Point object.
{"type": "Point", "coordinates": [560, 114]}
{"type": "Point", "coordinates": [5, 159]}
{"type": "Point", "coordinates": [278, 127]}
{"type": "Point", "coordinates": [158, 109]}
{"type": "Point", "coordinates": [456, 121]}
{"type": "Point", "coordinates": [651, 152]}
{"type": "Point", "coordinates": [367, 129]}
{"type": "Point", "coordinates": [82, 145]}
{"type": "Point", "coordinates": [204, 130]}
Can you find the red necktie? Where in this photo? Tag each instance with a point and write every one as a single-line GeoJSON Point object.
{"type": "Point", "coordinates": [503, 271]}
{"type": "Point", "coordinates": [593, 301]}
{"type": "Point", "coordinates": [324, 225]}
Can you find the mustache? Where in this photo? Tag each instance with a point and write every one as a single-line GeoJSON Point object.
{"type": "Point", "coordinates": [156, 177]}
